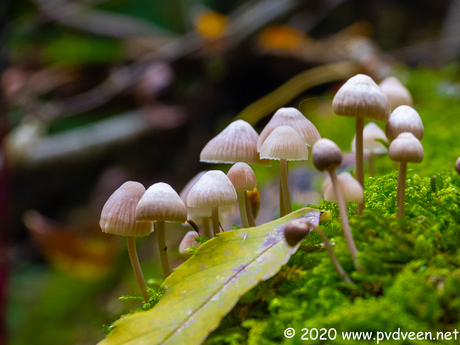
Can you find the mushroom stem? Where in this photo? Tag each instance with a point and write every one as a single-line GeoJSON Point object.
{"type": "Point", "coordinates": [206, 227]}
{"type": "Point", "coordinates": [251, 220]}
{"type": "Point", "coordinates": [402, 188]}
{"type": "Point", "coordinates": [282, 208]}
{"type": "Point", "coordinates": [359, 157]}
{"type": "Point", "coordinates": [334, 260]}
{"type": "Point", "coordinates": [371, 164]}
{"type": "Point", "coordinates": [344, 219]}
{"type": "Point", "coordinates": [285, 186]}
{"type": "Point", "coordinates": [137, 267]}
{"type": "Point", "coordinates": [215, 221]}
{"type": "Point", "coordinates": [242, 206]}
{"type": "Point", "coordinates": [160, 230]}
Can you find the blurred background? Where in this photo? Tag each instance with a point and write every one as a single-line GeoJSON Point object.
{"type": "Point", "coordinates": [98, 92]}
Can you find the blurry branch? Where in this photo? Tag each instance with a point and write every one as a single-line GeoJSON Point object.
{"type": "Point", "coordinates": [85, 18]}
{"type": "Point", "coordinates": [295, 86]}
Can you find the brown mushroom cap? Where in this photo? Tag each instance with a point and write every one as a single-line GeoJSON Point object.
{"type": "Point", "coordinates": [326, 155]}
{"type": "Point", "coordinates": [118, 215]}
{"type": "Point", "coordinates": [284, 143]}
{"type": "Point", "coordinates": [406, 148]}
{"type": "Point", "coordinates": [236, 143]}
{"type": "Point", "coordinates": [396, 93]}
{"type": "Point", "coordinates": [370, 133]}
{"type": "Point", "coordinates": [352, 189]}
{"type": "Point", "coordinates": [404, 119]}
{"type": "Point", "coordinates": [360, 96]}
{"type": "Point", "coordinates": [293, 118]}
{"type": "Point", "coordinates": [214, 189]}
{"type": "Point", "coordinates": [295, 231]}
{"type": "Point", "coordinates": [161, 203]}
{"type": "Point", "coordinates": [242, 177]}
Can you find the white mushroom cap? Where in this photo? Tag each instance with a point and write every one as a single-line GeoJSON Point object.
{"type": "Point", "coordinates": [118, 215]}
{"type": "Point", "coordinates": [406, 148]}
{"type": "Point", "coordinates": [161, 203]}
{"type": "Point", "coordinates": [242, 177]}
{"type": "Point", "coordinates": [194, 212]}
{"type": "Point", "coordinates": [214, 189]}
{"type": "Point", "coordinates": [236, 143]}
{"type": "Point", "coordinates": [351, 188]}
{"type": "Point", "coordinates": [326, 155]}
{"type": "Point", "coordinates": [294, 118]}
{"type": "Point", "coordinates": [370, 133]}
{"type": "Point", "coordinates": [360, 96]}
{"type": "Point", "coordinates": [396, 93]}
{"type": "Point", "coordinates": [284, 143]}
{"type": "Point", "coordinates": [188, 241]}
{"type": "Point", "coordinates": [404, 119]}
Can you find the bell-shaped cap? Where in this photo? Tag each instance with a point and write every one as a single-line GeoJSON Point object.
{"type": "Point", "coordinates": [214, 189]}
{"type": "Point", "coordinates": [284, 143]}
{"type": "Point", "coordinates": [404, 119]}
{"type": "Point", "coordinates": [295, 231]}
{"type": "Point", "coordinates": [326, 155]}
{"type": "Point", "coordinates": [194, 212]}
{"type": "Point", "coordinates": [119, 212]}
{"type": "Point", "coordinates": [188, 241]}
{"type": "Point", "coordinates": [406, 148]}
{"type": "Point", "coordinates": [294, 118]}
{"type": "Point", "coordinates": [236, 143]}
{"type": "Point", "coordinates": [370, 133]}
{"type": "Point", "coordinates": [161, 203]}
{"type": "Point", "coordinates": [360, 96]}
{"type": "Point", "coordinates": [242, 177]}
{"type": "Point", "coordinates": [351, 188]}
{"type": "Point", "coordinates": [457, 166]}
{"type": "Point", "coordinates": [396, 93]}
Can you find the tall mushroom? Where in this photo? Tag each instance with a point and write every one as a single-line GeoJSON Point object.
{"type": "Point", "coordinates": [361, 97]}
{"type": "Point", "coordinates": [406, 148]}
{"type": "Point", "coordinates": [118, 217]}
{"type": "Point", "coordinates": [295, 119]}
{"type": "Point", "coordinates": [243, 179]}
{"type": "Point", "coordinates": [396, 92]}
{"type": "Point", "coordinates": [284, 144]}
{"type": "Point", "coordinates": [213, 190]}
{"type": "Point", "coordinates": [370, 146]}
{"type": "Point", "coordinates": [328, 157]}
{"type": "Point", "coordinates": [161, 204]}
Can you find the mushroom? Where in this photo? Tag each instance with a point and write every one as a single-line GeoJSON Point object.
{"type": "Point", "coordinates": [296, 230]}
{"type": "Point", "coordinates": [457, 166]}
{"type": "Point", "coordinates": [236, 143]}
{"type": "Point", "coordinates": [294, 118]}
{"type": "Point", "coordinates": [188, 241]}
{"type": "Point", "coordinates": [161, 204]}
{"type": "Point", "coordinates": [404, 119]}
{"type": "Point", "coordinates": [396, 93]}
{"type": "Point", "coordinates": [284, 144]}
{"type": "Point", "coordinates": [370, 133]}
{"type": "Point", "coordinates": [361, 97]}
{"type": "Point", "coordinates": [328, 157]}
{"type": "Point", "coordinates": [243, 179]}
{"type": "Point", "coordinates": [352, 190]}
{"type": "Point", "coordinates": [406, 148]}
{"type": "Point", "coordinates": [118, 217]}
{"type": "Point", "coordinates": [213, 190]}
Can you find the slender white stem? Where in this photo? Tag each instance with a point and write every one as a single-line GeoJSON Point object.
{"type": "Point", "coordinates": [359, 157]}
{"type": "Point", "coordinates": [282, 208]}
{"type": "Point", "coordinates": [206, 227]}
{"type": "Point", "coordinates": [242, 207]}
{"type": "Point", "coordinates": [251, 219]}
{"type": "Point", "coordinates": [215, 221]}
{"type": "Point", "coordinates": [402, 189]}
{"type": "Point", "coordinates": [132, 252]}
{"type": "Point", "coordinates": [285, 185]}
{"type": "Point", "coordinates": [160, 230]}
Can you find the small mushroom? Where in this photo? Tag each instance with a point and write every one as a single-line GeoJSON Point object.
{"type": "Point", "coordinates": [284, 144]}
{"type": "Point", "coordinates": [404, 119]}
{"type": "Point", "coordinates": [328, 157]}
{"type": "Point", "coordinates": [396, 93]}
{"type": "Point", "coordinates": [161, 204]}
{"type": "Point", "coordinates": [361, 97]}
{"type": "Point", "coordinates": [370, 146]}
{"type": "Point", "coordinates": [352, 190]}
{"type": "Point", "coordinates": [118, 217]}
{"type": "Point", "coordinates": [406, 148]}
{"type": "Point", "coordinates": [243, 179]}
{"type": "Point", "coordinates": [188, 241]}
{"type": "Point", "coordinates": [213, 190]}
